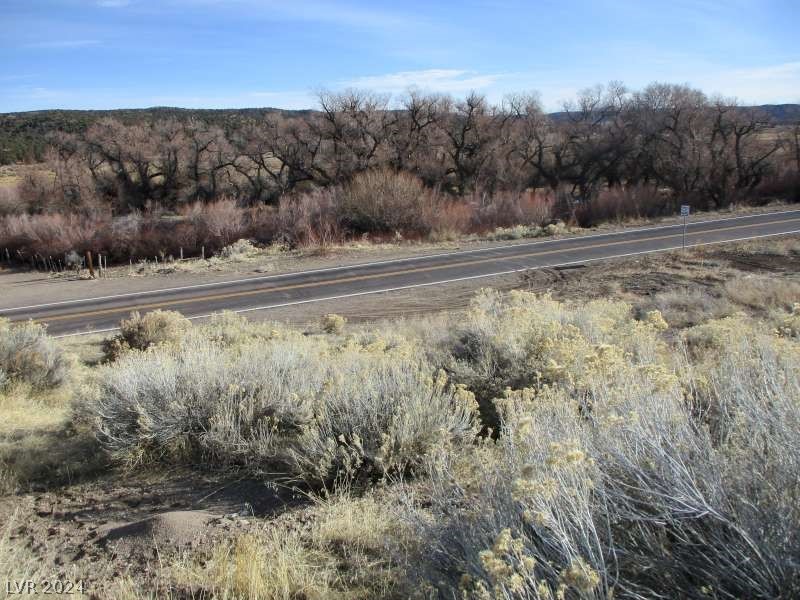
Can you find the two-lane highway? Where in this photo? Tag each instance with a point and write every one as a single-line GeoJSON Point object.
{"type": "Point", "coordinates": [103, 313]}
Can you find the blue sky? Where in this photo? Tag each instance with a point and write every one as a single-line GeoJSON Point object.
{"type": "Point", "coordinates": [236, 53]}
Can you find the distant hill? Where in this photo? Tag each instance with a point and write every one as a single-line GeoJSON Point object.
{"type": "Point", "coordinates": [779, 114]}
{"type": "Point", "coordinates": [23, 134]}
{"type": "Point", "coordinates": [782, 114]}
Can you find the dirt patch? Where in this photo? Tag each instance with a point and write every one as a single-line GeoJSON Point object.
{"type": "Point", "coordinates": [773, 263]}
{"type": "Point", "coordinates": [173, 528]}
{"type": "Point", "coordinates": [126, 525]}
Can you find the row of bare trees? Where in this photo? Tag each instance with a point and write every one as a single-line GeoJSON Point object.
{"type": "Point", "coordinates": [708, 151]}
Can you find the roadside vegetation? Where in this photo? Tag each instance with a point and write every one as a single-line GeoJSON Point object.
{"type": "Point", "coordinates": [527, 447]}
{"type": "Point", "coordinates": [366, 167]}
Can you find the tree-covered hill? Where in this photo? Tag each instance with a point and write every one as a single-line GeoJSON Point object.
{"type": "Point", "coordinates": [23, 134]}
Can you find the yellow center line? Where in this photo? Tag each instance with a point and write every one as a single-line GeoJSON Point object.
{"type": "Point", "coordinates": [295, 286]}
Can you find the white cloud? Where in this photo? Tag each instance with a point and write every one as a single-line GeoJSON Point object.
{"type": "Point", "coordinates": [448, 81]}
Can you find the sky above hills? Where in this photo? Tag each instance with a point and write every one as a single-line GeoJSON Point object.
{"type": "Point", "coordinates": [246, 53]}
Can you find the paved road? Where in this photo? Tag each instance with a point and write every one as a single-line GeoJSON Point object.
{"type": "Point", "coordinates": [271, 291]}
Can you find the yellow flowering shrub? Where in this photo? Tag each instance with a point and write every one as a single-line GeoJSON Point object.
{"type": "Point", "coordinates": [333, 323]}
{"type": "Point", "coordinates": [624, 463]}
{"type": "Point", "coordinates": [523, 340]}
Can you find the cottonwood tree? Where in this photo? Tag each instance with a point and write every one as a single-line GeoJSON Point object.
{"type": "Point", "coordinates": [209, 162]}
{"type": "Point", "coordinates": [597, 139]}
{"type": "Point", "coordinates": [672, 124]}
{"type": "Point", "coordinates": [468, 130]}
{"type": "Point", "coordinates": [143, 160]}
{"type": "Point", "coordinates": [414, 143]}
{"type": "Point", "coordinates": [352, 127]}
{"type": "Point", "coordinates": [525, 146]}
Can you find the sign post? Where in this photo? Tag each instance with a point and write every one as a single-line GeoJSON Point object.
{"type": "Point", "coordinates": [684, 213]}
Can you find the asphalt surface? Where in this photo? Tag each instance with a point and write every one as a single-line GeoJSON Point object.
{"type": "Point", "coordinates": [97, 314]}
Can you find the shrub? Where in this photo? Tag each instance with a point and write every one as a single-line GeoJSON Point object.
{"type": "Point", "coordinates": [147, 233]}
{"type": "Point", "coordinates": [52, 234]}
{"type": "Point", "coordinates": [37, 190]}
{"type": "Point", "coordinates": [310, 218]}
{"type": "Point", "coordinates": [319, 412]}
{"type": "Point", "coordinates": [643, 484]}
{"type": "Point", "coordinates": [382, 414]}
{"type": "Point", "coordinates": [384, 201]}
{"type": "Point", "coordinates": [782, 186]}
{"type": "Point", "coordinates": [29, 356]}
{"type": "Point", "coordinates": [790, 324]}
{"type": "Point", "coordinates": [220, 223]}
{"type": "Point", "coordinates": [620, 203]}
{"type": "Point", "coordinates": [232, 329]}
{"type": "Point", "coordinates": [450, 220]}
{"type": "Point", "coordinates": [10, 201]}
{"type": "Point", "coordinates": [333, 323]}
{"type": "Point", "coordinates": [507, 209]}
{"type": "Point", "coordinates": [522, 340]}
{"type": "Point", "coordinates": [142, 332]}
{"type": "Point", "coordinates": [239, 250]}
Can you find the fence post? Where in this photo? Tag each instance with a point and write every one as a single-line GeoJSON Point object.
{"type": "Point", "coordinates": [89, 262]}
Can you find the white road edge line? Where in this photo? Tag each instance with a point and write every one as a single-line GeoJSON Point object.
{"type": "Point", "coordinates": [456, 280]}
{"type": "Point", "coordinates": [388, 261]}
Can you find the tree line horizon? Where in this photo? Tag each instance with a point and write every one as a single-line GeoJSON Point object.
{"type": "Point", "coordinates": [671, 136]}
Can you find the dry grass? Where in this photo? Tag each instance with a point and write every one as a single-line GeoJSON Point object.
{"type": "Point", "coordinates": [785, 246]}
{"type": "Point", "coordinates": [685, 308]}
{"type": "Point", "coordinates": [39, 446]}
{"type": "Point", "coordinates": [761, 292]}
{"type": "Point", "coordinates": [18, 563]}
{"type": "Point", "coordinates": [343, 554]}
{"type": "Point", "coordinates": [38, 443]}
{"type": "Point", "coordinates": [274, 565]}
